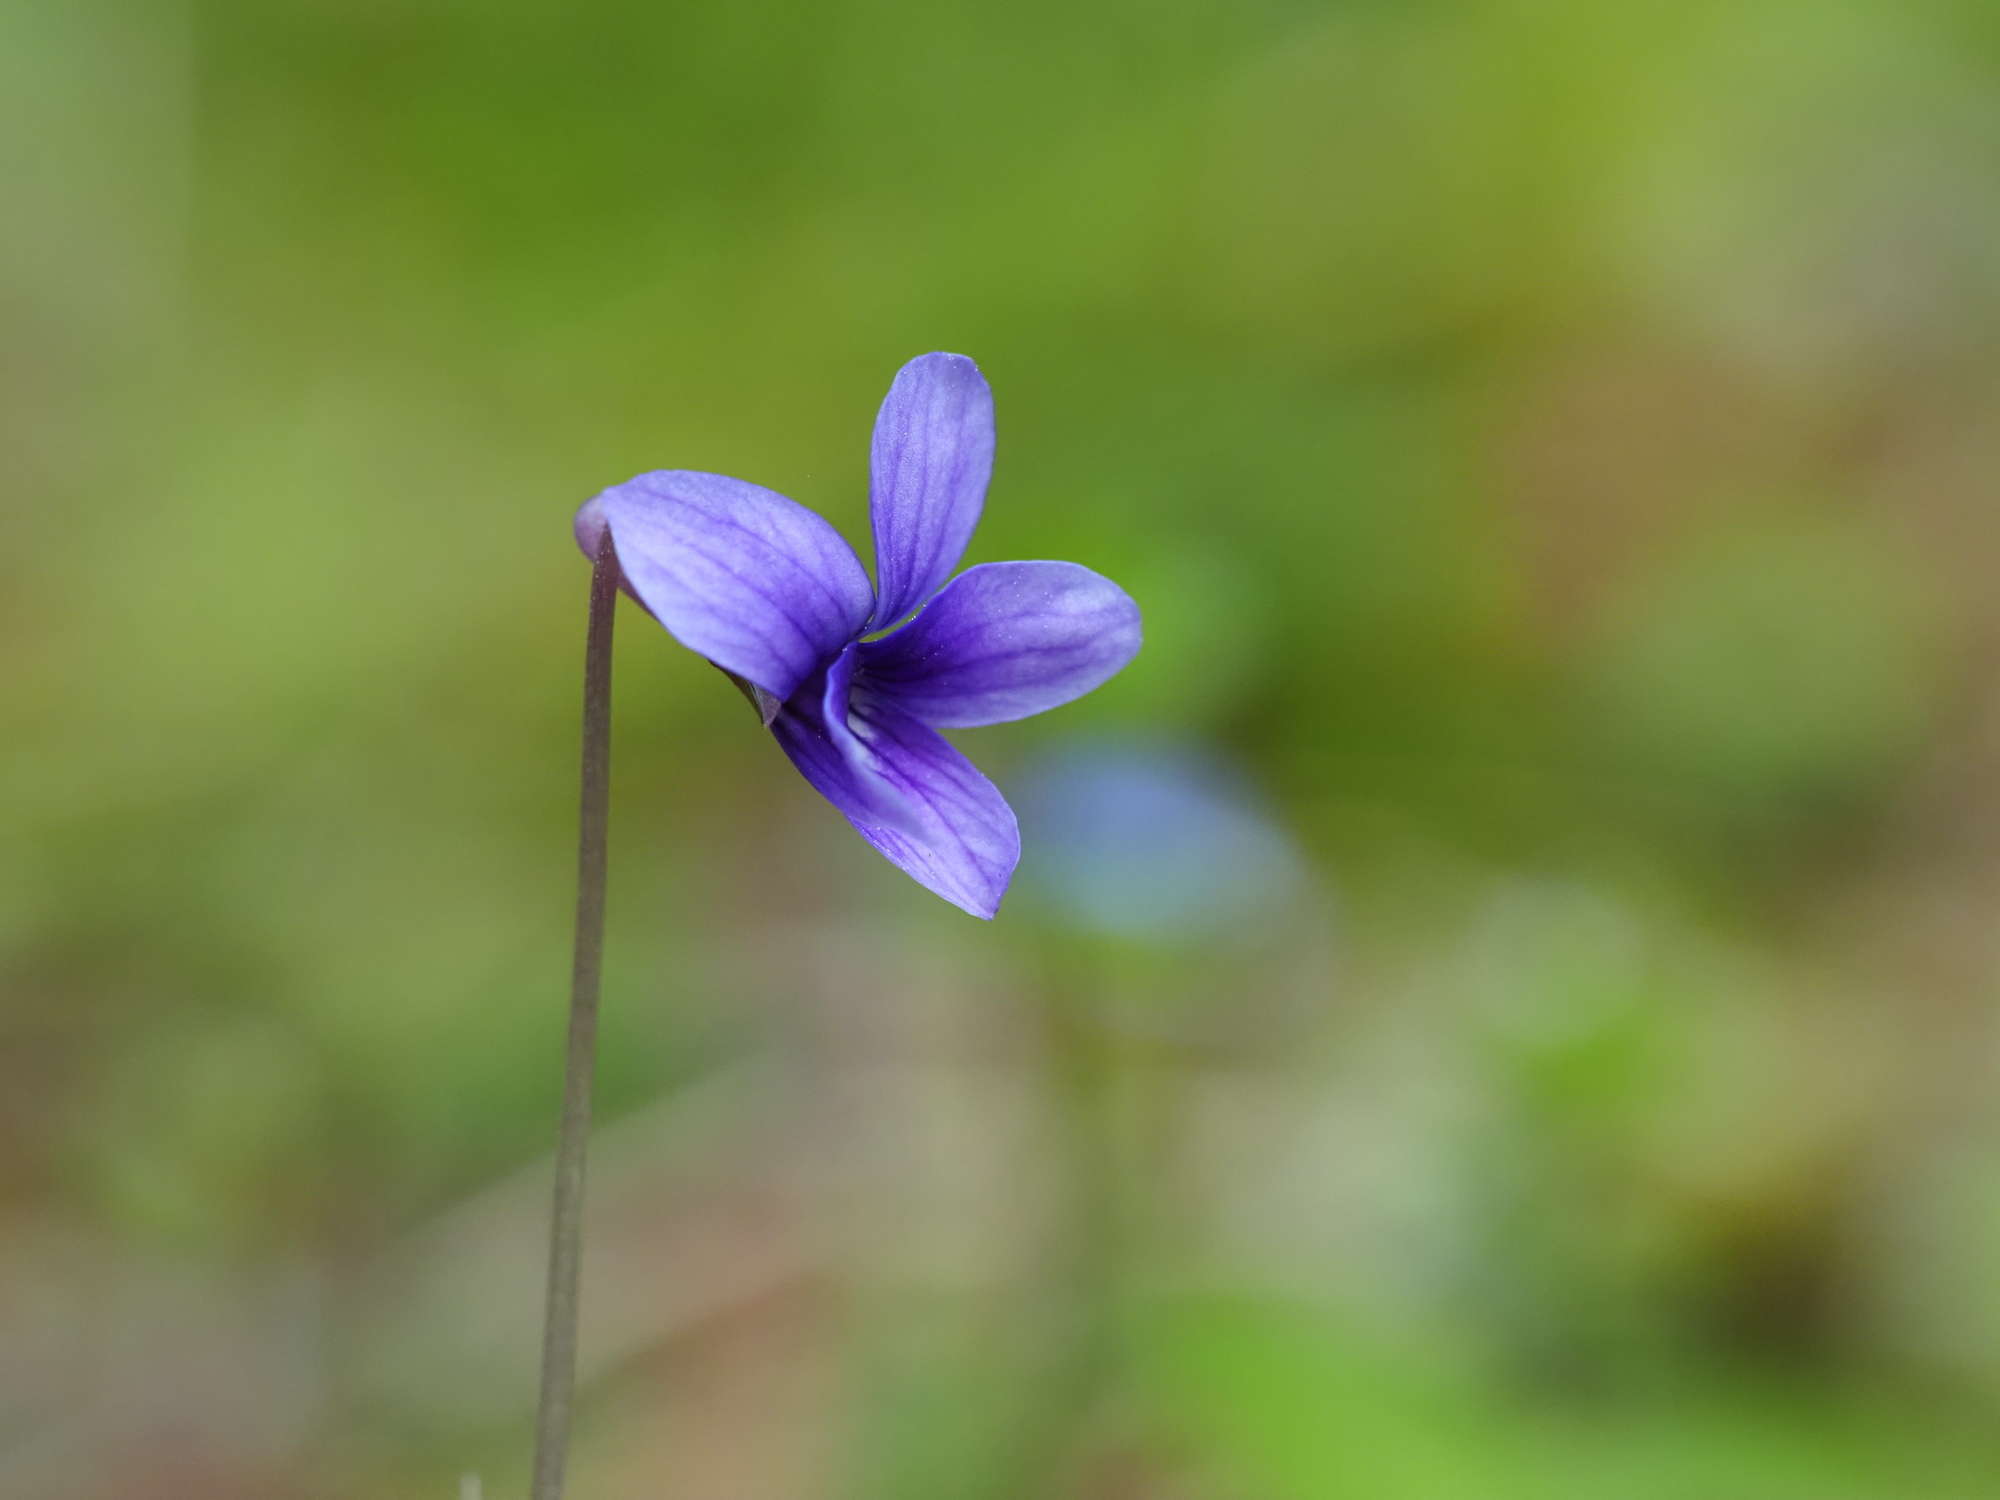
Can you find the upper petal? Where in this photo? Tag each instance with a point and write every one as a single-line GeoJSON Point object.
{"type": "Point", "coordinates": [957, 838]}
{"type": "Point", "coordinates": [927, 473]}
{"type": "Point", "coordinates": [756, 583]}
{"type": "Point", "coordinates": [1005, 640]}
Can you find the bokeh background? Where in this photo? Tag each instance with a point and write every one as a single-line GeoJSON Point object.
{"type": "Point", "coordinates": [1499, 999]}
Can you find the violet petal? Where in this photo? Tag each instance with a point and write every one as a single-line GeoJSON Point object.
{"type": "Point", "coordinates": [876, 799]}
{"type": "Point", "coordinates": [961, 843]}
{"type": "Point", "coordinates": [756, 583]}
{"type": "Point", "coordinates": [927, 473]}
{"type": "Point", "coordinates": [1003, 641]}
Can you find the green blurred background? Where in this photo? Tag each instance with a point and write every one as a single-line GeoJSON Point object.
{"type": "Point", "coordinates": [1499, 999]}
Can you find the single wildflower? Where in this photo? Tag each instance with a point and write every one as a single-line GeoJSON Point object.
{"type": "Point", "coordinates": [855, 681]}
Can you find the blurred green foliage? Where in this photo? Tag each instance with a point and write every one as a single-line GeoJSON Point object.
{"type": "Point", "coordinates": [1553, 445]}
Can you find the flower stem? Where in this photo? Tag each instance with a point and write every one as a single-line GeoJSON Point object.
{"type": "Point", "coordinates": [552, 1416]}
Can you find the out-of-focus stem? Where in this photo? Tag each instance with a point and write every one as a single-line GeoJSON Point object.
{"type": "Point", "coordinates": [552, 1416]}
{"type": "Point", "coordinates": [1081, 1055]}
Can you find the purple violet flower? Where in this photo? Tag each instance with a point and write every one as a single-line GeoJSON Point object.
{"type": "Point", "coordinates": [771, 593]}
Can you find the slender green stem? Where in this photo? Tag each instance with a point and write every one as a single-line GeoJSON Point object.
{"type": "Point", "coordinates": [552, 1416]}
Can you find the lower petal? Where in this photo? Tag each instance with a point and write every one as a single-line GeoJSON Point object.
{"type": "Point", "coordinates": [951, 830]}
{"type": "Point", "coordinates": [877, 800]}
